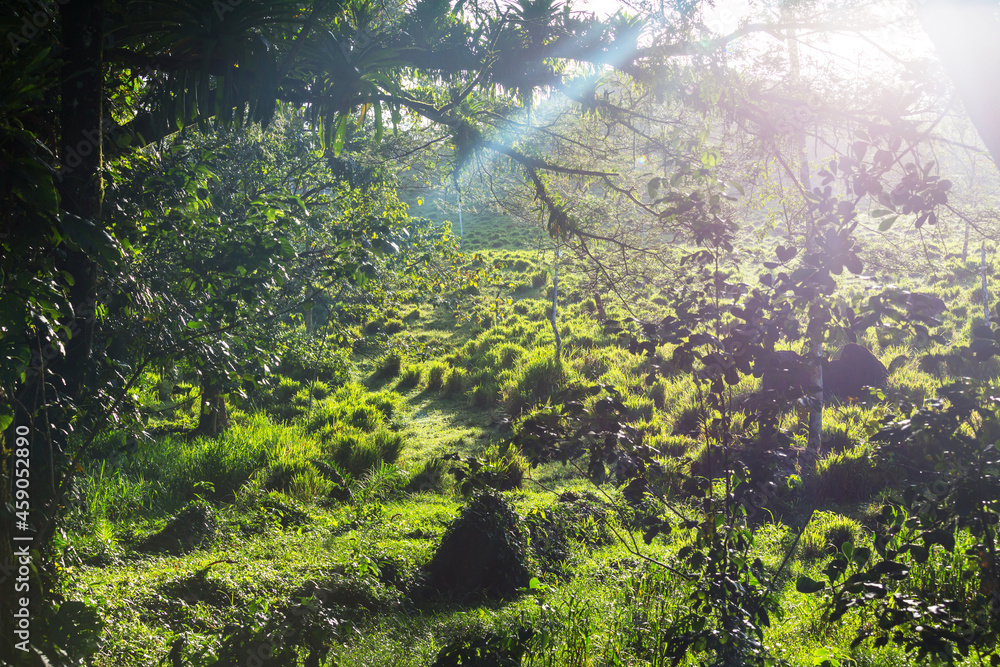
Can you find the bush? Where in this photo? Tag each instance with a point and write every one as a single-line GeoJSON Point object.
{"type": "Point", "coordinates": [539, 279]}
{"type": "Point", "coordinates": [333, 364]}
{"type": "Point", "coordinates": [484, 553]}
{"type": "Point", "coordinates": [394, 326]}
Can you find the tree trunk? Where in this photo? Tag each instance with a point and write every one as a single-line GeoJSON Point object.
{"type": "Point", "coordinates": [214, 417]}
{"type": "Point", "coordinates": [601, 312]}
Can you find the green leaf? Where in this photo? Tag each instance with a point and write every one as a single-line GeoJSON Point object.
{"type": "Point", "coordinates": [887, 223]}
{"type": "Point", "coordinates": [338, 140]}
{"type": "Point", "coordinates": [806, 585]}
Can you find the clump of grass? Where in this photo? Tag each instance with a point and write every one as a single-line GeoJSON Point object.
{"type": "Point", "coordinates": [837, 438]}
{"type": "Point", "coordinates": [539, 376]}
{"type": "Point", "coordinates": [671, 445]}
{"type": "Point", "coordinates": [286, 389]}
{"type": "Point", "coordinates": [358, 453]}
{"type": "Point", "coordinates": [171, 471]}
{"type": "Point", "coordinates": [848, 476]}
{"type": "Point", "coordinates": [351, 408]}
{"type": "Point", "coordinates": [454, 381]}
{"type": "Point", "coordinates": [658, 394]}
{"type": "Point", "coordinates": [393, 326]}
{"type": "Point", "coordinates": [828, 531]}
{"type": "Point", "coordinates": [389, 365]}
{"type": "Point", "coordinates": [320, 390]}
{"type": "Point", "coordinates": [300, 479]}
{"type": "Point", "coordinates": [539, 279]}
{"type": "Point", "coordinates": [640, 408]}
{"type": "Point", "coordinates": [432, 478]}
{"type": "Point", "coordinates": [410, 376]}
{"type": "Point", "coordinates": [435, 375]}
{"type": "Point", "coordinates": [484, 395]}
{"type": "Point", "coordinates": [500, 467]}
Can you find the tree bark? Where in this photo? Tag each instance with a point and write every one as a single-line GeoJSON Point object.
{"type": "Point", "coordinates": [214, 417]}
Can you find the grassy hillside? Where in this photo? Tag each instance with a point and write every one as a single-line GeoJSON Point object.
{"type": "Point", "coordinates": [307, 533]}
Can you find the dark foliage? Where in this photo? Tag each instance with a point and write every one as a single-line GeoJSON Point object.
{"type": "Point", "coordinates": [192, 527]}
{"type": "Point", "coordinates": [787, 375]}
{"type": "Point", "coordinates": [483, 553]}
{"type": "Point", "coordinates": [487, 649]}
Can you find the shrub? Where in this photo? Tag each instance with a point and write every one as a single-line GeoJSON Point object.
{"type": "Point", "coordinates": [539, 279]}
{"type": "Point", "coordinates": [484, 552]}
{"type": "Point", "coordinates": [394, 326]}
{"type": "Point", "coordinates": [323, 361]}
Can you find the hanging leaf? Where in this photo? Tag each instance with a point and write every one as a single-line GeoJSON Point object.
{"type": "Point", "coordinates": [887, 223]}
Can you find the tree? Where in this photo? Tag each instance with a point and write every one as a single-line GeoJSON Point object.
{"type": "Point", "coordinates": [127, 74]}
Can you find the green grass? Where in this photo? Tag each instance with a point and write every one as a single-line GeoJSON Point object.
{"type": "Point", "coordinates": [351, 496]}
